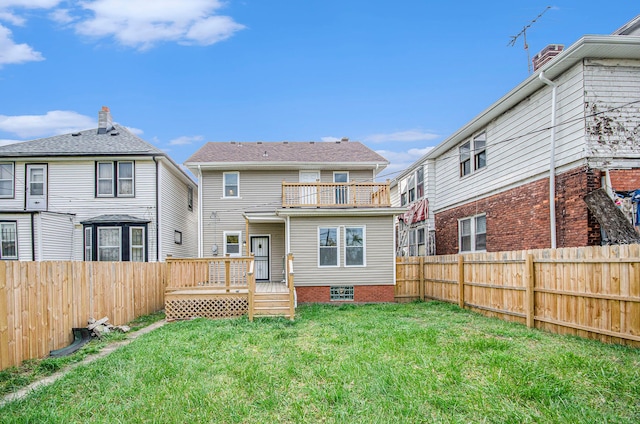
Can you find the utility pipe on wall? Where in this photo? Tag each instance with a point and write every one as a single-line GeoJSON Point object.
{"type": "Point", "coordinates": [552, 160]}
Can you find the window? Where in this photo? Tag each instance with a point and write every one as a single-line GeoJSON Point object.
{"type": "Point", "coordinates": [403, 192]}
{"type": "Point", "coordinates": [465, 159]}
{"type": "Point", "coordinates": [231, 184]}
{"type": "Point", "coordinates": [190, 198]}
{"type": "Point", "coordinates": [354, 246]}
{"type": "Point", "coordinates": [342, 191]}
{"type": "Point", "coordinates": [109, 243]}
{"type": "Point", "coordinates": [420, 182]}
{"type": "Point", "coordinates": [116, 241]}
{"type": "Point", "coordinates": [422, 251]}
{"type": "Point", "coordinates": [232, 243]}
{"type": "Point", "coordinates": [110, 174]}
{"type": "Point", "coordinates": [412, 188]}
{"type": "Point", "coordinates": [479, 151]}
{"type": "Point", "coordinates": [6, 180]}
{"type": "Point", "coordinates": [338, 293]}
{"type": "Point", "coordinates": [8, 235]}
{"type": "Point", "coordinates": [88, 244]}
{"type": "Point", "coordinates": [328, 246]}
{"type": "Point", "coordinates": [136, 244]}
{"type": "Point", "coordinates": [479, 154]}
{"type": "Point", "coordinates": [177, 237]}
{"type": "Point", "coordinates": [125, 178]}
{"type": "Point", "coordinates": [473, 233]}
{"type": "Point", "coordinates": [413, 246]}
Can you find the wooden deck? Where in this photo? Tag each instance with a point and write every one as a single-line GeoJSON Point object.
{"type": "Point", "coordinates": [224, 287]}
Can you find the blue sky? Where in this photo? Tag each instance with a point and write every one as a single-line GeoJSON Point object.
{"type": "Point", "coordinates": [399, 76]}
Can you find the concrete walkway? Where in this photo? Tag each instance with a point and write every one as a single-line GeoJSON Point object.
{"type": "Point", "coordinates": [89, 359]}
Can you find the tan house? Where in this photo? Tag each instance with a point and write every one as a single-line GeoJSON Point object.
{"type": "Point", "coordinates": [315, 200]}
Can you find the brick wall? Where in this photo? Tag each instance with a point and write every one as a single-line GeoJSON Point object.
{"type": "Point", "coordinates": [625, 179]}
{"type": "Point", "coordinates": [519, 218]}
{"type": "Point", "coordinates": [362, 294]}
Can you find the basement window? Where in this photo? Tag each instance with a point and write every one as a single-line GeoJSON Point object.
{"type": "Point", "coordinates": [341, 293]}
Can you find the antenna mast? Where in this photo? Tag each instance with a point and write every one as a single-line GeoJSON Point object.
{"type": "Point", "coordinates": [523, 33]}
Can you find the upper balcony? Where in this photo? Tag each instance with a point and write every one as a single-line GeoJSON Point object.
{"type": "Point", "coordinates": [336, 195]}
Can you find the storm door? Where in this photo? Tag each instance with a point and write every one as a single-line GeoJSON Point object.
{"type": "Point", "coordinates": [260, 250]}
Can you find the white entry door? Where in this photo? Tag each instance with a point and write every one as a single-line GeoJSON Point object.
{"type": "Point", "coordinates": [308, 195]}
{"type": "Point", "coordinates": [37, 187]}
{"type": "Point", "coordinates": [260, 250]}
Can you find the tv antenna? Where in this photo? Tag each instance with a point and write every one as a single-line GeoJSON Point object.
{"type": "Point", "coordinates": [523, 33]}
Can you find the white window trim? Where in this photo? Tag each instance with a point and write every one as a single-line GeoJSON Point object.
{"type": "Point", "coordinates": [346, 189]}
{"type": "Point", "coordinates": [224, 185]}
{"type": "Point", "coordinates": [119, 243]}
{"type": "Point", "coordinates": [15, 232]}
{"type": "Point", "coordinates": [98, 179]}
{"type": "Point", "coordinates": [133, 178]}
{"type": "Point", "coordinates": [88, 236]}
{"type": "Point", "coordinates": [224, 242]}
{"type": "Point", "coordinates": [473, 234]}
{"type": "Point", "coordinates": [131, 246]}
{"type": "Point", "coordinates": [364, 246]}
{"type": "Point", "coordinates": [13, 181]}
{"type": "Point", "coordinates": [337, 247]}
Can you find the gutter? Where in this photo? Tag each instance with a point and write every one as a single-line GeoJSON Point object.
{"type": "Point", "coordinates": [552, 159]}
{"type": "Point", "coordinates": [157, 210]}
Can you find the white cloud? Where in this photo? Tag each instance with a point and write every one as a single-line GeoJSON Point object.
{"type": "Point", "coordinates": [184, 140]}
{"type": "Point", "coordinates": [133, 23]}
{"type": "Point", "coordinates": [399, 161]}
{"type": "Point", "coordinates": [329, 139]}
{"type": "Point", "coordinates": [53, 122]}
{"type": "Point", "coordinates": [409, 135]}
{"type": "Point", "coordinates": [31, 4]}
{"type": "Point", "coordinates": [12, 53]}
{"type": "Point", "coordinates": [11, 18]}
{"type": "Point", "coordinates": [136, 131]}
{"type": "Point", "coordinates": [61, 16]}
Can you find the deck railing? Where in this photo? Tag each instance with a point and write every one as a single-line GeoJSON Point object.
{"type": "Point", "coordinates": [230, 273]}
{"type": "Point", "coordinates": [336, 195]}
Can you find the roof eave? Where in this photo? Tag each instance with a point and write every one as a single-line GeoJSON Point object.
{"type": "Point", "coordinates": [219, 166]}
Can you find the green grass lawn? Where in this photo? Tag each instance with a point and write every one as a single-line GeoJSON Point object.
{"type": "Point", "coordinates": [419, 362]}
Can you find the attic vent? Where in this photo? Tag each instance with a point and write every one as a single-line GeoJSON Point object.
{"type": "Point", "coordinates": [233, 142]}
{"type": "Point", "coordinates": [75, 134]}
{"type": "Point", "coordinates": [265, 154]}
{"type": "Point", "coordinates": [312, 142]}
{"type": "Point", "coordinates": [259, 142]}
{"type": "Point", "coordinates": [115, 133]}
{"type": "Point", "coordinates": [285, 142]}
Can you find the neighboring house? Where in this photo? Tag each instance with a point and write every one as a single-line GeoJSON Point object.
{"type": "Point", "coordinates": [317, 201]}
{"type": "Point", "coordinates": [570, 128]}
{"type": "Point", "coordinates": [99, 194]}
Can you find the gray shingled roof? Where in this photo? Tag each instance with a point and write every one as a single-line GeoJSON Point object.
{"type": "Point", "coordinates": [283, 151]}
{"type": "Point", "coordinates": [115, 218]}
{"type": "Point", "coordinates": [118, 141]}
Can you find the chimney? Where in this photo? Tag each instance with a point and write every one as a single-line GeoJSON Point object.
{"type": "Point", "coordinates": [105, 122]}
{"type": "Point", "coordinates": [546, 54]}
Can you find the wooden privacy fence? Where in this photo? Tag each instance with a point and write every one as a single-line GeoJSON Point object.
{"type": "Point", "coordinates": [592, 292]}
{"type": "Point", "coordinates": [40, 302]}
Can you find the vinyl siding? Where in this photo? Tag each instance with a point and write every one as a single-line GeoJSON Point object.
{"type": "Point", "coordinates": [278, 249]}
{"type": "Point", "coordinates": [379, 252]}
{"type": "Point", "coordinates": [518, 146]}
{"type": "Point", "coordinates": [260, 191]}
{"type": "Point", "coordinates": [612, 135]}
{"type": "Point", "coordinates": [55, 233]}
{"type": "Point", "coordinates": [176, 216]}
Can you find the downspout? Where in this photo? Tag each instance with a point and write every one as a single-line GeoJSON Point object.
{"type": "Point", "coordinates": [199, 212]}
{"type": "Point", "coordinates": [552, 160]}
{"type": "Point", "coordinates": [33, 239]}
{"type": "Point", "coordinates": [157, 211]}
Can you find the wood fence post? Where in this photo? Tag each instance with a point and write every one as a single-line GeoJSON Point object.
{"type": "Point", "coordinates": [530, 281]}
{"type": "Point", "coordinates": [461, 281]}
{"type": "Point", "coordinates": [421, 276]}
{"type": "Point", "coordinates": [4, 317]}
{"type": "Point", "coordinates": [227, 272]}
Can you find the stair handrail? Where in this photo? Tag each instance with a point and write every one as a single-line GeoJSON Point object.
{"type": "Point", "coordinates": [251, 280]}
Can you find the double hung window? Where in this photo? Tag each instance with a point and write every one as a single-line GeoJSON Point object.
{"type": "Point", "coordinates": [328, 246]}
{"type": "Point", "coordinates": [475, 149]}
{"type": "Point", "coordinates": [6, 180]}
{"type": "Point", "coordinates": [8, 233]}
{"type": "Point", "coordinates": [354, 254]}
{"type": "Point", "coordinates": [472, 233]}
{"type": "Point", "coordinates": [115, 179]}
{"type": "Point", "coordinates": [231, 184]}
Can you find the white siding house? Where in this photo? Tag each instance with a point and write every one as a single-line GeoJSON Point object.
{"type": "Point", "coordinates": [100, 194]}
